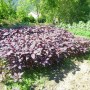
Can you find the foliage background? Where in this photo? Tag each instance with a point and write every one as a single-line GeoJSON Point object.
{"type": "Point", "coordinates": [66, 11]}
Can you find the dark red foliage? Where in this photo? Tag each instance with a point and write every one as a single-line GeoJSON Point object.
{"type": "Point", "coordinates": [33, 46]}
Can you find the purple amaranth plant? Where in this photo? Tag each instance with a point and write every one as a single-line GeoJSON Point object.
{"type": "Point", "coordinates": [34, 46]}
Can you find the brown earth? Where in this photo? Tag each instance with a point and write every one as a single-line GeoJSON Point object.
{"type": "Point", "coordinates": [74, 80]}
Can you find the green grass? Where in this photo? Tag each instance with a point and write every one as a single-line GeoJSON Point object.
{"type": "Point", "coordinates": [80, 32]}
{"type": "Point", "coordinates": [79, 29]}
{"type": "Point", "coordinates": [31, 77]}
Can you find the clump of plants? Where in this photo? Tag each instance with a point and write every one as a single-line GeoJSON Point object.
{"type": "Point", "coordinates": [31, 47]}
{"type": "Point", "coordinates": [41, 19]}
{"type": "Point", "coordinates": [77, 26]}
{"type": "Point", "coordinates": [29, 19]}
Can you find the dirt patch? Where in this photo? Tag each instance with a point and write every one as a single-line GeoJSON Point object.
{"type": "Point", "coordinates": [78, 80]}
{"type": "Point", "coordinates": [2, 87]}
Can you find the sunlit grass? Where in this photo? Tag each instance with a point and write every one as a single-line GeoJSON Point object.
{"type": "Point", "coordinates": [80, 32]}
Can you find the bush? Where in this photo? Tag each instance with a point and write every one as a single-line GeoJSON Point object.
{"type": "Point", "coordinates": [41, 19]}
{"type": "Point", "coordinates": [38, 46]}
{"type": "Point", "coordinates": [26, 19]}
{"type": "Point", "coordinates": [80, 25]}
{"type": "Point", "coordinates": [29, 19]}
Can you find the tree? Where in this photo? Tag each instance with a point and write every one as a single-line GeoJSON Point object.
{"type": "Point", "coordinates": [82, 10]}
{"type": "Point", "coordinates": [48, 9]}
{"type": "Point", "coordinates": [67, 11]}
{"type": "Point", "coordinates": [6, 9]}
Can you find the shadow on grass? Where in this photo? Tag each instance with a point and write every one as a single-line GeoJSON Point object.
{"type": "Point", "coordinates": [55, 72]}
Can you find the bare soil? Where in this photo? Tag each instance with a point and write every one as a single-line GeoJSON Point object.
{"type": "Point", "coordinates": [77, 79]}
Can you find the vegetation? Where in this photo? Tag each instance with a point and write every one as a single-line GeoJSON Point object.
{"type": "Point", "coordinates": [36, 47]}
{"type": "Point", "coordinates": [80, 29]}
{"type": "Point", "coordinates": [29, 53]}
{"type": "Point", "coordinates": [74, 10]}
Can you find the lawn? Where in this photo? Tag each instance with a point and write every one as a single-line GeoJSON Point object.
{"type": "Point", "coordinates": [81, 32]}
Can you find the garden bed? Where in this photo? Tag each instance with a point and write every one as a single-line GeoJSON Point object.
{"type": "Point", "coordinates": [37, 46]}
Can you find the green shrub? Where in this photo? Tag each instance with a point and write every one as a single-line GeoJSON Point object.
{"type": "Point", "coordinates": [25, 19]}
{"type": "Point", "coordinates": [41, 19]}
{"type": "Point", "coordinates": [29, 19]}
{"type": "Point", "coordinates": [80, 25]}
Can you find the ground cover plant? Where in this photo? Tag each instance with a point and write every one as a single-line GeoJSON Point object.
{"type": "Point", "coordinates": [31, 47]}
